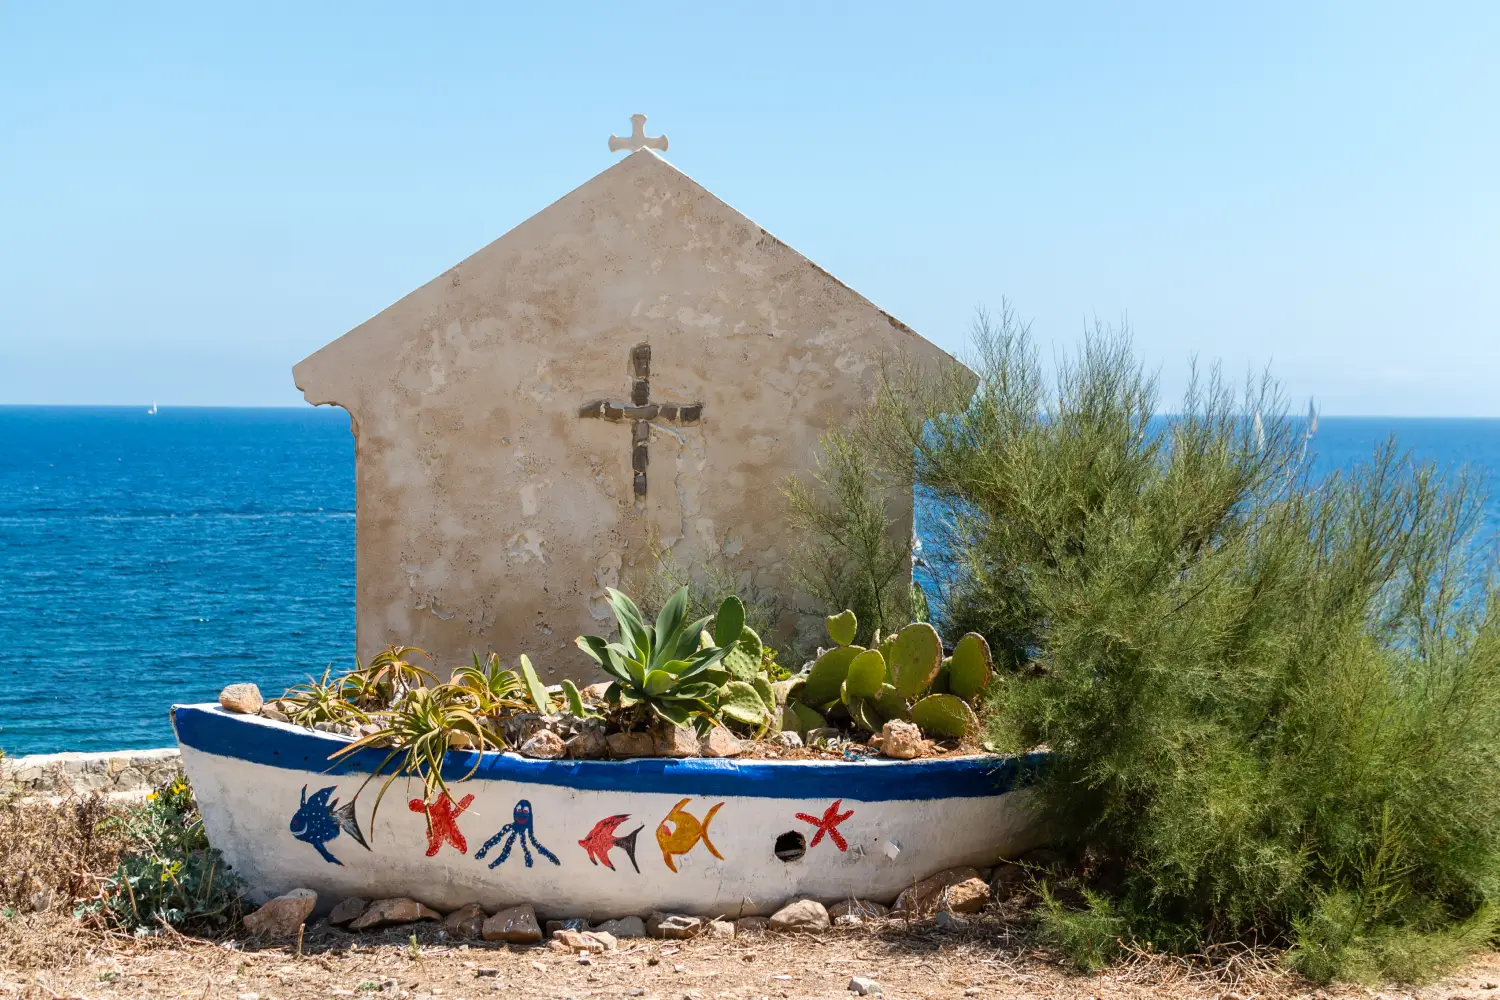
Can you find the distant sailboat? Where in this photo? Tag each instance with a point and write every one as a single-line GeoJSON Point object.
{"type": "Point", "coordinates": [152, 411]}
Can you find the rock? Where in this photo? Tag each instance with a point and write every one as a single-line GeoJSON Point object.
{"type": "Point", "coordinates": [242, 698]}
{"type": "Point", "coordinates": [922, 899]}
{"type": "Point", "coordinates": [1007, 879]}
{"type": "Point", "coordinates": [41, 901]}
{"type": "Point", "coordinates": [400, 910]}
{"type": "Point", "coordinates": [968, 896]}
{"type": "Point", "coordinates": [673, 925]}
{"type": "Point", "coordinates": [270, 711]}
{"type": "Point", "coordinates": [721, 928]}
{"type": "Point", "coordinates": [517, 925]}
{"type": "Point", "coordinates": [800, 915]}
{"type": "Point", "coordinates": [947, 920]}
{"type": "Point", "coordinates": [486, 972]}
{"type": "Point", "coordinates": [571, 924]}
{"type": "Point", "coordinates": [631, 745]}
{"type": "Point", "coordinates": [589, 942]}
{"type": "Point", "coordinates": [901, 740]}
{"type": "Point", "coordinates": [336, 728]}
{"type": "Point", "coordinates": [864, 987]}
{"type": "Point", "coordinates": [720, 742]}
{"type": "Point", "coordinates": [596, 692]}
{"type": "Point", "coordinates": [623, 927]}
{"type": "Point", "coordinates": [602, 937]}
{"type": "Point", "coordinates": [677, 741]}
{"type": "Point", "coordinates": [346, 910]}
{"type": "Point", "coordinates": [282, 916]}
{"type": "Point", "coordinates": [822, 734]}
{"type": "Point", "coordinates": [587, 745]}
{"type": "Point", "coordinates": [519, 728]}
{"type": "Point", "coordinates": [848, 920]}
{"type": "Point", "coordinates": [466, 922]}
{"type": "Point", "coordinates": [787, 738]}
{"type": "Point", "coordinates": [544, 745]}
{"type": "Point", "coordinates": [857, 908]}
{"type": "Point", "coordinates": [751, 926]}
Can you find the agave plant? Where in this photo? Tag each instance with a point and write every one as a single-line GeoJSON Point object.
{"type": "Point", "coordinates": [321, 701]}
{"type": "Point", "coordinates": [421, 730]}
{"type": "Point", "coordinates": [667, 669]}
{"type": "Point", "coordinates": [496, 689]}
{"type": "Point", "coordinates": [391, 674]}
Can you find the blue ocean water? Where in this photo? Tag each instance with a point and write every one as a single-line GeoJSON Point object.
{"type": "Point", "coordinates": [152, 559]}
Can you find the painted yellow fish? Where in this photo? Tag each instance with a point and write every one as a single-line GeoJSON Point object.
{"type": "Point", "coordinates": [687, 834]}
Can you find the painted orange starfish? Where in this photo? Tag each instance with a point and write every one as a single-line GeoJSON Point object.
{"type": "Point", "coordinates": [829, 824]}
{"type": "Point", "coordinates": [442, 821]}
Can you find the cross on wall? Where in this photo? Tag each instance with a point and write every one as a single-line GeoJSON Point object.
{"type": "Point", "coordinates": [640, 411]}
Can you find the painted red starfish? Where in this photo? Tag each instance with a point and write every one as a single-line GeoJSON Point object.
{"type": "Point", "coordinates": [442, 821]}
{"type": "Point", "coordinates": [829, 824]}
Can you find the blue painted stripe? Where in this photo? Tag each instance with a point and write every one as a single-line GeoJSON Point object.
{"type": "Point", "coordinates": [212, 730]}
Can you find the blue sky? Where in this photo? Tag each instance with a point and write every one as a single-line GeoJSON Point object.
{"type": "Point", "coordinates": [193, 198]}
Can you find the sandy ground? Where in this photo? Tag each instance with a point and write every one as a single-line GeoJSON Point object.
{"type": "Point", "coordinates": [52, 958]}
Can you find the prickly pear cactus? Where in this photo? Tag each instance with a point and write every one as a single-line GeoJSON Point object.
{"type": "Point", "coordinates": [825, 681]}
{"type": "Point", "coordinates": [970, 667]}
{"type": "Point", "coordinates": [742, 703]}
{"type": "Point", "coordinates": [945, 715]}
{"type": "Point", "coordinates": [914, 658]}
{"type": "Point", "coordinates": [842, 628]}
{"type": "Point", "coordinates": [743, 661]}
{"type": "Point", "coordinates": [866, 674]}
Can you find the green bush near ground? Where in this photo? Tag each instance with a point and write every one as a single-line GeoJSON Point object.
{"type": "Point", "coordinates": [1273, 701]}
{"type": "Point", "coordinates": [167, 874]}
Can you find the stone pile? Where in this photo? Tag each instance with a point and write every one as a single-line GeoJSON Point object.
{"type": "Point", "coordinates": [946, 896]}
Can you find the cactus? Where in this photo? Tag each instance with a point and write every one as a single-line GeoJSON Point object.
{"type": "Point", "coordinates": [970, 667]}
{"type": "Point", "coordinates": [945, 715]}
{"type": "Point", "coordinates": [767, 694]}
{"type": "Point", "coordinates": [939, 683]}
{"type": "Point", "coordinates": [889, 703]}
{"type": "Point", "coordinates": [915, 656]}
{"type": "Point", "coordinates": [826, 678]}
{"type": "Point", "coordinates": [574, 699]}
{"type": "Point", "coordinates": [742, 703]}
{"type": "Point", "coordinates": [866, 674]}
{"type": "Point", "coordinates": [535, 689]}
{"type": "Point", "coordinates": [842, 628]}
{"type": "Point", "coordinates": [799, 718]}
{"type": "Point", "coordinates": [729, 623]}
{"type": "Point", "coordinates": [743, 660]}
{"type": "Point", "coordinates": [864, 715]}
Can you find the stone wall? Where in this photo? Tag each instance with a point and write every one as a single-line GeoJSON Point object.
{"type": "Point", "coordinates": [118, 774]}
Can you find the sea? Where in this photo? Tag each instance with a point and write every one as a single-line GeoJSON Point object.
{"type": "Point", "coordinates": [148, 559]}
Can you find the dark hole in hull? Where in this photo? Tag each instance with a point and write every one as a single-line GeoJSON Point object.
{"type": "Point", "coordinates": [790, 847]}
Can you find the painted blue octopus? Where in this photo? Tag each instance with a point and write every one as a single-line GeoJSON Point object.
{"type": "Point", "coordinates": [318, 821]}
{"type": "Point", "coordinates": [519, 829]}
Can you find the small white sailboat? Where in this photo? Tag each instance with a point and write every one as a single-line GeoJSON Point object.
{"type": "Point", "coordinates": [152, 412]}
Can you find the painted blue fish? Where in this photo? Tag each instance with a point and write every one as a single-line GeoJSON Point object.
{"type": "Point", "coordinates": [318, 821]}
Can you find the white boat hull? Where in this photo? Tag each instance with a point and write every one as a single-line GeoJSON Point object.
{"type": "Point", "coordinates": [549, 832]}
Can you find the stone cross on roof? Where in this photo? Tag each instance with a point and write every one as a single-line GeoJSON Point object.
{"type": "Point", "coordinates": [637, 139]}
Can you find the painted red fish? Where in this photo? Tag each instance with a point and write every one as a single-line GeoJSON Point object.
{"type": "Point", "coordinates": [601, 840]}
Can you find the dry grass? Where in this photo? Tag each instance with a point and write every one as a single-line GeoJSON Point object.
{"type": "Point", "coordinates": [988, 958]}
{"type": "Point", "coordinates": [63, 849]}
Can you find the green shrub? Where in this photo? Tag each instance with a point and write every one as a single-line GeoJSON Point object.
{"type": "Point", "coordinates": [1273, 701]}
{"type": "Point", "coordinates": [168, 874]}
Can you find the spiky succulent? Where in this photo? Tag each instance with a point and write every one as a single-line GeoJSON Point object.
{"type": "Point", "coordinates": [666, 669]}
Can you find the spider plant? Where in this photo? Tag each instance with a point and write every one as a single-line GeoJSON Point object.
{"type": "Point", "coordinates": [421, 729]}
{"type": "Point", "coordinates": [388, 676]}
{"type": "Point", "coordinates": [664, 669]}
{"type": "Point", "coordinates": [320, 701]}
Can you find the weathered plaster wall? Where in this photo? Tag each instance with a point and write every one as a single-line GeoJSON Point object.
{"type": "Point", "coordinates": [490, 516]}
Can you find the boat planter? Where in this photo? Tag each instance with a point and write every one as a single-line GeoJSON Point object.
{"type": "Point", "coordinates": [594, 838]}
